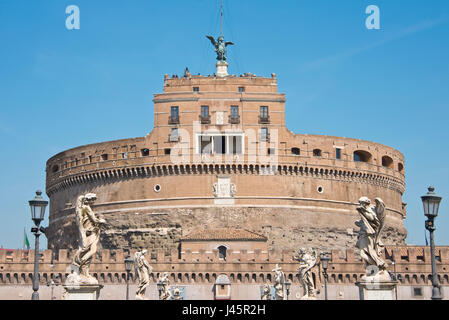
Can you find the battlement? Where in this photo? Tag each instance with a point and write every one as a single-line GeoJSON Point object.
{"type": "Point", "coordinates": [398, 254]}
{"type": "Point", "coordinates": [345, 267]}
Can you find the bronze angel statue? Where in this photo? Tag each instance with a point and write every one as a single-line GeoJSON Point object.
{"type": "Point", "coordinates": [371, 224]}
{"type": "Point", "coordinates": [220, 46]}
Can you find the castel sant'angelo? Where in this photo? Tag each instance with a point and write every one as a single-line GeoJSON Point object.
{"type": "Point", "coordinates": [221, 156]}
{"type": "Point", "coordinates": [221, 194]}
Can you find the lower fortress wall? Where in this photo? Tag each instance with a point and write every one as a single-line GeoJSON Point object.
{"type": "Point", "coordinates": [288, 228]}
{"type": "Point", "coordinates": [246, 271]}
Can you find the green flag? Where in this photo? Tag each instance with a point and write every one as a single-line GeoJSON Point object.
{"type": "Point", "coordinates": [26, 243]}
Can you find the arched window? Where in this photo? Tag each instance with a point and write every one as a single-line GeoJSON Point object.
{"type": "Point", "coordinates": [222, 252]}
{"type": "Point", "coordinates": [55, 168]}
{"type": "Point", "coordinates": [316, 152]}
{"type": "Point", "coordinates": [295, 151]}
{"type": "Point", "coordinates": [387, 162]}
{"type": "Point", "coordinates": [362, 156]}
{"type": "Point", "coordinates": [401, 167]}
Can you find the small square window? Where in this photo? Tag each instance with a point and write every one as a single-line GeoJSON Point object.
{"type": "Point", "coordinates": [417, 292]}
{"type": "Point", "coordinates": [196, 89]}
{"type": "Point", "coordinates": [167, 151]}
{"type": "Point", "coordinates": [241, 89]}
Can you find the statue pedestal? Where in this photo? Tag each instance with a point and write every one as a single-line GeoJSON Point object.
{"type": "Point", "coordinates": [370, 289]}
{"type": "Point", "coordinates": [82, 292]}
{"type": "Point", "coordinates": [222, 69]}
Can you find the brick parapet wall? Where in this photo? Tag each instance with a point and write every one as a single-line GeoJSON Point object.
{"type": "Point", "coordinates": [412, 263]}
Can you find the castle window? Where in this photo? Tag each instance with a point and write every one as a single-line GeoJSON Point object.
{"type": "Point", "coordinates": [90, 159]}
{"type": "Point", "coordinates": [401, 167]}
{"type": "Point", "coordinates": [145, 152]}
{"type": "Point", "coordinates": [235, 144]}
{"type": "Point", "coordinates": [362, 156]}
{"type": "Point", "coordinates": [125, 155]}
{"type": "Point", "coordinates": [222, 252]}
{"type": "Point", "coordinates": [264, 135]}
{"type": "Point", "coordinates": [271, 151]}
{"type": "Point", "coordinates": [55, 168]}
{"type": "Point", "coordinates": [338, 153]}
{"type": "Point", "coordinates": [104, 157]}
{"type": "Point", "coordinates": [205, 117]}
{"type": "Point", "coordinates": [234, 118]}
{"type": "Point", "coordinates": [219, 144]}
{"type": "Point", "coordinates": [196, 89]}
{"type": "Point", "coordinates": [205, 111]}
{"type": "Point", "coordinates": [387, 162]}
{"type": "Point", "coordinates": [174, 115]}
{"type": "Point", "coordinates": [174, 137]}
{"type": "Point", "coordinates": [317, 153]}
{"type": "Point", "coordinates": [167, 151]}
{"type": "Point", "coordinates": [205, 144]}
{"type": "Point", "coordinates": [241, 89]}
{"type": "Point", "coordinates": [263, 116]}
{"type": "Point", "coordinates": [417, 292]}
{"type": "Point", "coordinates": [295, 151]}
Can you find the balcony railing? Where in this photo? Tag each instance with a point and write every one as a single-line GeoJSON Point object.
{"type": "Point", "coordinates": [264, 119]}
{"type": "Point", "coordinates": [205, 119]}
{"type": "Point", "coordinates": [234, 119]}
{"type": "Point", "coordinates": [173, 120]}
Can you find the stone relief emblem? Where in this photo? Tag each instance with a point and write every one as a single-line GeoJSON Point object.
{"type": "Point", "coordinates": [224, 188]}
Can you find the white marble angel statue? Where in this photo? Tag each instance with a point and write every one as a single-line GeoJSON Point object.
{"type": "Point", "coordinates": [143, 270]}
{"type": "Point", "coordinates": [307, 260]}
{"type": "Point", "coordinates": [266, 292]}
{"type": "Point", "coordinates": [164, 294]}
{"type": "Point", "coordinates": [279, 281]}
{"type": "Point", "coordinates": [89, 234]}
{"type": "Point", "coordinates": [371, 224]}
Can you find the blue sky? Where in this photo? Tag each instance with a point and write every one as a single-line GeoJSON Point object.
{"type": "Point", "coordinates": [60, 89]}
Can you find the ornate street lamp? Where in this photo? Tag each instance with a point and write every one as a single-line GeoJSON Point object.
{"type": "Point", "coordinates": [431, 203]}
{"type": "Point", "coordinates": [395, 278]}
{"type": "Point", "coordinates": [325, 264]}
{"type": "Point", "coordinates": [287, 285]}
{"type": "Point", "coordinates": [128, 267]}
{"type": "Point", "coordinates": [37, 205]}
{"type": "Point", "coordinates": [52, 283]}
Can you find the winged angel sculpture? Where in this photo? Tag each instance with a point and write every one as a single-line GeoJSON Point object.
{"type": "Point", "coordinates": [220, 47]}
{"type": "Point", "coordinates": [371, 225]}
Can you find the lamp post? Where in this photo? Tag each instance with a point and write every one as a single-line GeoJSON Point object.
{"type": "Point", "coordinates": [287, 285]}
{"type": "Point", "coordinates": [52, 284]}
{"type": "Point", "coordinates": [395, 278]}
{"type": "Point", "coordinates": [37, 205]}
{"type": "Point", "coordinates": [325, 264]}
{"type": "Point", "coordinates": [431, 203]}
{"type": "Point", "coordinates": [160, 288]}
{"type": "Point", "coordinates": [128, 266]}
